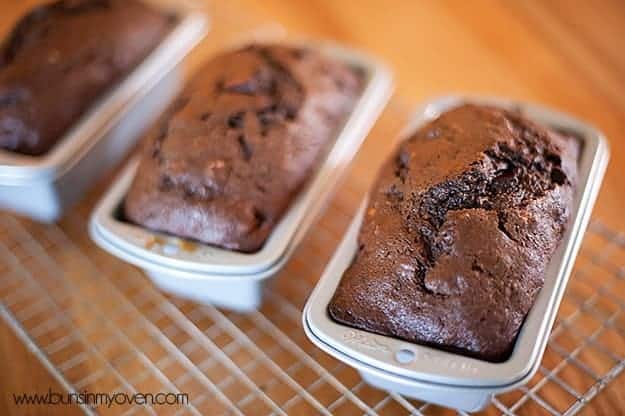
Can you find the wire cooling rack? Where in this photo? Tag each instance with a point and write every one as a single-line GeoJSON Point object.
{"type": "Point", "coordinates": [99, 325]}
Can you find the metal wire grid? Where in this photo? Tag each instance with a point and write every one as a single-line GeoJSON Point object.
{"type": "Point", "coordinates": [101, 326]}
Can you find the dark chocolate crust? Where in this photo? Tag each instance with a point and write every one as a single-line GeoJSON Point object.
{"type": "Point", "coordinates": [459, 231]}
{"type": "Point", "coordinates": [61, 57]}
{"type": "Point", "coordinates": [245, 135]}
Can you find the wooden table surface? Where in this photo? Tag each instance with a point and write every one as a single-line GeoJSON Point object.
{"type": "Point", "coordinates": [563, 53]}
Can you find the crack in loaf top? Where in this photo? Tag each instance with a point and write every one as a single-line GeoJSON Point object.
{"type": "Point", "coordinates": [459, 231]}
{"type": "Point", "coordinates": [240, 143]}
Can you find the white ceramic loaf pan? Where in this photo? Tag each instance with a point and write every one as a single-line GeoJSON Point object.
{"type": "Point", "coordinates": [42, 187]}
{"type": "Point", "coordinates": [442, 377]}
{"type": "Point", "coordinates": [228, 278]}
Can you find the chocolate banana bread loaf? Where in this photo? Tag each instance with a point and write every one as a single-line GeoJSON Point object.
{"type": "Point", "coordinates": [240, 143]}
{"type": "Point", "coordinates": [61, 57]}
{"type": "Point", "coordinates": [458, 233]}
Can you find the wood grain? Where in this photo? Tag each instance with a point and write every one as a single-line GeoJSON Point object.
{"type": "Point", "coordinates": [566, 54]}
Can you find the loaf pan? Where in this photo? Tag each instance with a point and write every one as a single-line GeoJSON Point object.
{"type": "Point", "coordinates": [228, 278]}
{"type": "Point", "coordinates": [42, 187]}
{"type": "Point", "coordinates": [439, 376]}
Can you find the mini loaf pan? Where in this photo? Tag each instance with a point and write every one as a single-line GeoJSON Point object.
{"type": "Point", "coordinates": [439, 376]}
{"type": "Point", "coordinates": [228, 278]}
{"type": "Point", "coordinates": [43, 187]}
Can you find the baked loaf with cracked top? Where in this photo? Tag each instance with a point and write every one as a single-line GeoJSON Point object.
{"type": "Point", "coordinates": [240, 143]}
{"type": "Point", "coordinates": [458, 233]}
{"type": "Point", "coordinates": [61, 57]}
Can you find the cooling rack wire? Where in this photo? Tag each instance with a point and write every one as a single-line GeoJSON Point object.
{"type": "Point", "coordinates": [98, 324]}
